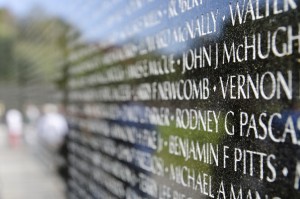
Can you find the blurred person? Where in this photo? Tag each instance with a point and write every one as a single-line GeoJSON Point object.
{"type": "Point", "coordinates": [32, 113]}
{"type": "Point", "coordinates": [52, 127]}
{"type": "Point", "coordinates": [14, 123]}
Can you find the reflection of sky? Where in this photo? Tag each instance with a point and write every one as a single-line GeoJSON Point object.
{"type": "Point", "coordinates": [23, 7]}
{"type": "Point", "coordinates": [98, 20]}
{"type": "Point", "coordinates": [66, 9]}
{"type": "Point", "coordinates": [102, 20]}
{"type": "Point", "coordinates": [81, 14]}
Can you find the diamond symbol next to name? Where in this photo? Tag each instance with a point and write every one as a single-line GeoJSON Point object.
{"type": "Point", "coordinates": [214, 88]}
{"type": "Point", "coordinates": [285, 171]}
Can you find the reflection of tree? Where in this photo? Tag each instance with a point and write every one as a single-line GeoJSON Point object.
{"type": "Point", "coordinates": [30, 49]}
{"type": "Point", "coordinates": [7, 36]}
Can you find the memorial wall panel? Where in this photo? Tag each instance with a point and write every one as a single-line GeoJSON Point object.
{"type": "Point", "coordinates": [185, 99]}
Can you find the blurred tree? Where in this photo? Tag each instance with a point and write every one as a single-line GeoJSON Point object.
{"type": "Point", "coordinates": [7, 39]}
{"type": "Point", "coordinates": [32, 49]}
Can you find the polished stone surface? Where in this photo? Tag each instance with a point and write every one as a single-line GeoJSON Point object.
{"type": "Point", "coordinates": [185, 99]}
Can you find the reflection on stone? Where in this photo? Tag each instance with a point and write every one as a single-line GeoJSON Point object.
{"type": "Point", "coordinates": [186, 99]}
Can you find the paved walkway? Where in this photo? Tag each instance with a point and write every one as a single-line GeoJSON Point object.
{"type": "Point", "coordinates": [23, 175]}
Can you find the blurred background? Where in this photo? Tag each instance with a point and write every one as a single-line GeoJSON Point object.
{"type": "Point", "coordinates": [33, 49]}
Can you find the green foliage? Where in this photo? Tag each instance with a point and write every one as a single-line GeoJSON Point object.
{"type": "Point", "coordinates": [31, 50]}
